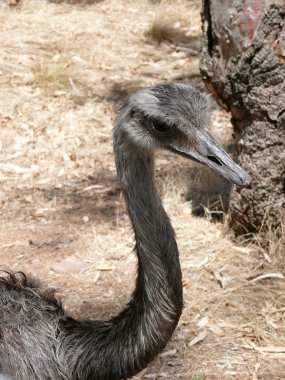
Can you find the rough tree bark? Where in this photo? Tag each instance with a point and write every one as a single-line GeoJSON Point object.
{"type": "Point", "coordinates": [243, 66]}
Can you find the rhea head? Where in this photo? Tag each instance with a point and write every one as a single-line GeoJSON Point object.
{"type": "Point", "coordinates": [176, 117]}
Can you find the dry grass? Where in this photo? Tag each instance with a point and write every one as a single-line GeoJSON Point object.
{"type": "Point", "coordinates": [51, 76]}
{"type": "Point", "coordinates": [62, 69]}
{"type": "Point", "coordinates": [162, 30]}
{"type": "Point", "coordinates": [171, 23]}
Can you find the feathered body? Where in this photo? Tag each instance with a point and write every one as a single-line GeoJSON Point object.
{"type": "Point", "coordinates": [38, 341]}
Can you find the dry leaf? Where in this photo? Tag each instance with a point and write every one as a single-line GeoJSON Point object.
{"type": "Point", "coordinates": [85, 218]}
{"type": "Point", "coordinates": [199, 338]}
{"type": "Point", "coordinates": [17, 242]}
{"type": "Point", "coordinates": [203, 322]}
{"type": "Point", "coordinates": [168, 353]}
{"type": "Point", "coordinates": [223, 281]}
{"type": "Point", "coordinates": [216, 329]}
{"type": "Point", "coordinates": [96, 277]}
{"type": "Point", "coordinates": [77, 59]}
{"type": "Point", "coordinates": [242, 249]}
{"type": "Point", "coordinates": [38, 212]}
{"type": "Point", "coordinates": [12, 168]}
{"type": "Point", "coordinates": [265, 276]}
{"type": "Point", "coordinates": [105, 267]}
{"type": "Point", "coordinates": [274, 349]}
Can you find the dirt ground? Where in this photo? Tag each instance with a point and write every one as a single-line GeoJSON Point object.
{"type": "Point", "coordinates": [63, 71]}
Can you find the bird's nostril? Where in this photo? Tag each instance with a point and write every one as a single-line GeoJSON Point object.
{"type": "Point", "coordinates": [215, 159]}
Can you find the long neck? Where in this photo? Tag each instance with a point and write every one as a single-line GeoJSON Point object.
{"type": "Point", "coordinates": [124, 345]}
{"type": "Point", "coordinates": [158, 286]}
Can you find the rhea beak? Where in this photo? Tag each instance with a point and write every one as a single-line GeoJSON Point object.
{"type": "Point", "coordinates": [207, 151]}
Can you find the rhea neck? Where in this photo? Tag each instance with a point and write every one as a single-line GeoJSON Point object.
{"type": "Point", "coordinates": [158, 262]}
{"type": "Point", "coordinates": [119, 348]}
{"type": "Point", "coordinates": [157, 301]}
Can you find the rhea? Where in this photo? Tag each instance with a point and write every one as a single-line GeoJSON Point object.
{"type": "Point", "coordinates": [38, 340]}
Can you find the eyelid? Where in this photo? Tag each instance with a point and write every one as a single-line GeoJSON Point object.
{"type": "Point", "coordinates": [166, 128]}
{"type": "Point", "coordinates": [160, 127]}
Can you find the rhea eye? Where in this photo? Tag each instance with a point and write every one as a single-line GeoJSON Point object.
{"type": "Point", "coordinates": [160, 126]}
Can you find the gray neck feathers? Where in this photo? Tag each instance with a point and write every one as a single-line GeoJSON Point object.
{"type": "Point", "coordinates": [156, 305]}
{"type": "Point", "coordinates": [126, 344]}
{"type": "Point", "coordinates": [155, 239]}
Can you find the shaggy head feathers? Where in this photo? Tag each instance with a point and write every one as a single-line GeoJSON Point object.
{"type": "Point", "coordinates": [155, 117]}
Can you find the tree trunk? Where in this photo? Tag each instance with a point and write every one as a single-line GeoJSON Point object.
{"type": "Point", "coordinates": [243, 66]}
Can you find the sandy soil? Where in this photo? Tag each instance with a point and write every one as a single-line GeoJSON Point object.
{"type": "Point", "coordinates": [63, 70]}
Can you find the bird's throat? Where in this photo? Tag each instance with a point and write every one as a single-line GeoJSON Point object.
{"type": "Point", "coordinates": [159, 274]}
{"type": "Point", "coordinates": [128, 342]}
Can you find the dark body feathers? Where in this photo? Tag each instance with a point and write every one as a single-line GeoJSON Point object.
{"type": "Point", "coordinates": [37, 340]}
